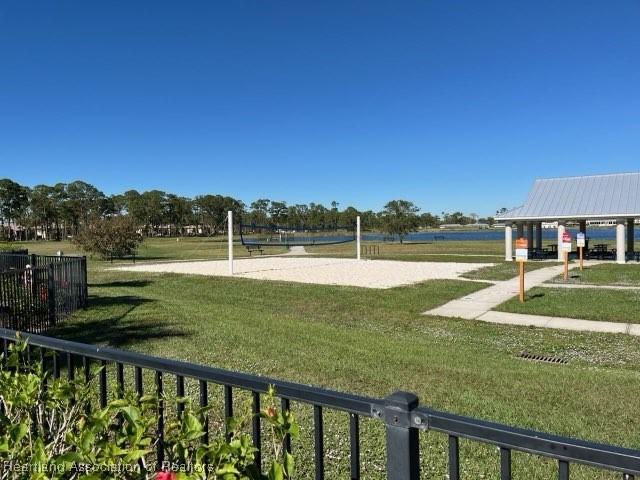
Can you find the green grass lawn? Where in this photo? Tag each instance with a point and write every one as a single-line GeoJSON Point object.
{"type": "Point", "coordinates": [504, 270]}
{"type": "Point", "coordinates": [587, 304]}
{"type": "Point", "coordinates": [373, 342]}
{"type": "Point", "coordinates": [160, 249]}
{"type": "Point", "coordinates": [605, 274]}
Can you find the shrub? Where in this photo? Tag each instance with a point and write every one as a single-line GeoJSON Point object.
{"type": "Point", "coordinates": [113, 237]}
{"type": "Point", "coordinates": [51, 429]}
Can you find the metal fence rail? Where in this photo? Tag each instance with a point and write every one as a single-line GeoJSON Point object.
{"type": "Point", "coordinates": [36, 291]}
{"type": "Point", "coordinates": [400, 412]}
{"type": "Point", "coordinates": [14, 260]}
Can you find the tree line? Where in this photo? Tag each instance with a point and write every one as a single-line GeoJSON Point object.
{"type": "Point", "coordinates": [64, 209]}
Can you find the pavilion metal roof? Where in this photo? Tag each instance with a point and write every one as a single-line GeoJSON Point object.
{"type": "Point", "coordinates": [593, 196]}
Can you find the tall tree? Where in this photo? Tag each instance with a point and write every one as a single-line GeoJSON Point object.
{"type": "Point", "coordinates": [153, 205]}
{"type": "Point", "coordinates": [399, 217]}
{"type": "Point", "coordinates": [84, 202]}
{"type": "Point", "coordinates": [179, 212]}
{"type": "Point", "coordinates": [14, 201]}
{"type": "Point", "coordinates": [213, 211]}
{"type": "Point", "coordinates": [335, 215]}
{"type": "Point", "coordinates": [278, 212]}
{"type": "Point", "coordinates": [318, 215]}
{"type": "Point", "coordinates": [348, 216]}
{"type": "Point", "coordinates": [43, 209]}
{"type": "Point", "coordinates": [259, 213]}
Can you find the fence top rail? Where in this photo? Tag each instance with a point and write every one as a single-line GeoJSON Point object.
{"type": "Point", "coordinates": [357, 404]}
{"type": "Point", "coordinates": [28, 256]}
{"type": "Point", "coordinates": [33, 268]}
{"type": "Point", "coordinates": [530, 441]}
{"type": "Point", "coordinates": [20, 271]}
{"type": "Point", "coordinates": [544, 444]}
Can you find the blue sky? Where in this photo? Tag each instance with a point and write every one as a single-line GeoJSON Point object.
{"type": "Point", "coordinates": [455, 105]}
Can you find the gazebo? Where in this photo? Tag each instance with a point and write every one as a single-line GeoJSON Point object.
{"type": "Point", "coordinates": [577, 199]}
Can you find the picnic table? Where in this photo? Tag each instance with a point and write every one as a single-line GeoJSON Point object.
{"type": "Point", "coordinates": [601, 251]}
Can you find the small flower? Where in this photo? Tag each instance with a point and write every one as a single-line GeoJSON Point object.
{"type": "Point", "coordinates": [166, 476]}
{"type": "Point", "coordinates": [270, 412]}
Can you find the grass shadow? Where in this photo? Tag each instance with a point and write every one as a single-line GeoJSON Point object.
{"type": "Point", "coordinates": [122, 284]}
{"type": "Point", "coordinates": [117, 330]}
{"type": "Point", "coordinates": [535, 295]}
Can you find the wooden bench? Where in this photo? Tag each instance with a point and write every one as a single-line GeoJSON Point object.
{"type": "Point", "coordinates": [253, 248]}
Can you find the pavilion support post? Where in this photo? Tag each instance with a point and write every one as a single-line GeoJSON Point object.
{"type": "Point", "coordinates": [530, 235]}
{"type": "Point", "coordinates": [583, 226]}
{"type": "Point", "coordinates": [539, 236]}
{"type": "Point", "coordinates": [508, 242]}
{"type": "Point", "coordinates": [630, 236]}
{"type": "Point", "coordinates": [562, 227]}
{"type": "Point", "coordinates": [520, 227]}
{"type": "Point", "coordinates": [620, 244]}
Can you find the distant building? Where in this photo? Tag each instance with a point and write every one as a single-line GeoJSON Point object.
{"type": "Point", "coordinates": [479, 226]}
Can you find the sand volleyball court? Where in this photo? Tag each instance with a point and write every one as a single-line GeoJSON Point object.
{"type": "Point", "coordinates": [324, 271]}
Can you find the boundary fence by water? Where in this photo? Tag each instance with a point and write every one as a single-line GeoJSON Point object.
{"type": "Point", "coordinates": [37, 291]}
{"type": "Point", "coordinates": [494, 234]}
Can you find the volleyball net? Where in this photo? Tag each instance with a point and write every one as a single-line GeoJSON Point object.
{"type": "Point", "coordinates": [287, 236]}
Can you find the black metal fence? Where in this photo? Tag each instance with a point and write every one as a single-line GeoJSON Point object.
{"type": "Point", "coordinates": [36, 291]}
{"type": "Point", "coordinates": [400, 413]}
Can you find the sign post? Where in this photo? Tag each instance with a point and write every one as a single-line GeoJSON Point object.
{"type": "Point", "coordinates": [522, 255]}
{"type": "Point", "coordinates": [566, 248]}
{"type": "Point", "coordinates": [580, 242]}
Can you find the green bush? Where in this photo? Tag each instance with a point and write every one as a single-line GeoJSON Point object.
{"type": "Point", "coordinates": [113, 237]}
{"type": "Point", "coordinates": [51, 429]}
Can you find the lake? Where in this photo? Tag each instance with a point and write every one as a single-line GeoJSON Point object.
{"type": "Point", "coordinates": [600, 233]}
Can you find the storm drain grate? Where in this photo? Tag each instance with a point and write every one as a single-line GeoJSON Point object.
{"type": "Point", "coordinates": [543, 358]}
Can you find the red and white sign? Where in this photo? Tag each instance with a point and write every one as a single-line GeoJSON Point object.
{"type": "Point", "coordinates": [566, 241]}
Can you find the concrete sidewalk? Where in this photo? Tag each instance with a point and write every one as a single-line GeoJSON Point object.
{"type": "Point", "coordinates": [480, 302]}
{"type": "Point", "coordinates": [589, 285]}
{"type": "Point", "coordinates": [479, 305]}
{"type": "Point", "coordinates": [560, 323]}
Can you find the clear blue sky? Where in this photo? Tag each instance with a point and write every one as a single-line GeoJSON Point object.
{"type": "Point", "coordinates": [456, 105]}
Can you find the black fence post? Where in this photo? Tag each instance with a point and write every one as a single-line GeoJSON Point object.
{"type": "Point", "coordinates": [403, 446]}
{"type": "Point", "coordinates": [51, 294]}
{"type": "Point", "coordinates": [85, 280]}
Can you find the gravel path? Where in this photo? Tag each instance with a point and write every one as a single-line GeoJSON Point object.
{"type": "Point", "coordinates": [325, 271]}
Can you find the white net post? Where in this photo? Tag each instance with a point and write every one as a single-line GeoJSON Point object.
{"type": "Point", "coordinates": [358, 249]}
{"type": "Point", "coordinates": [230, 235]}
